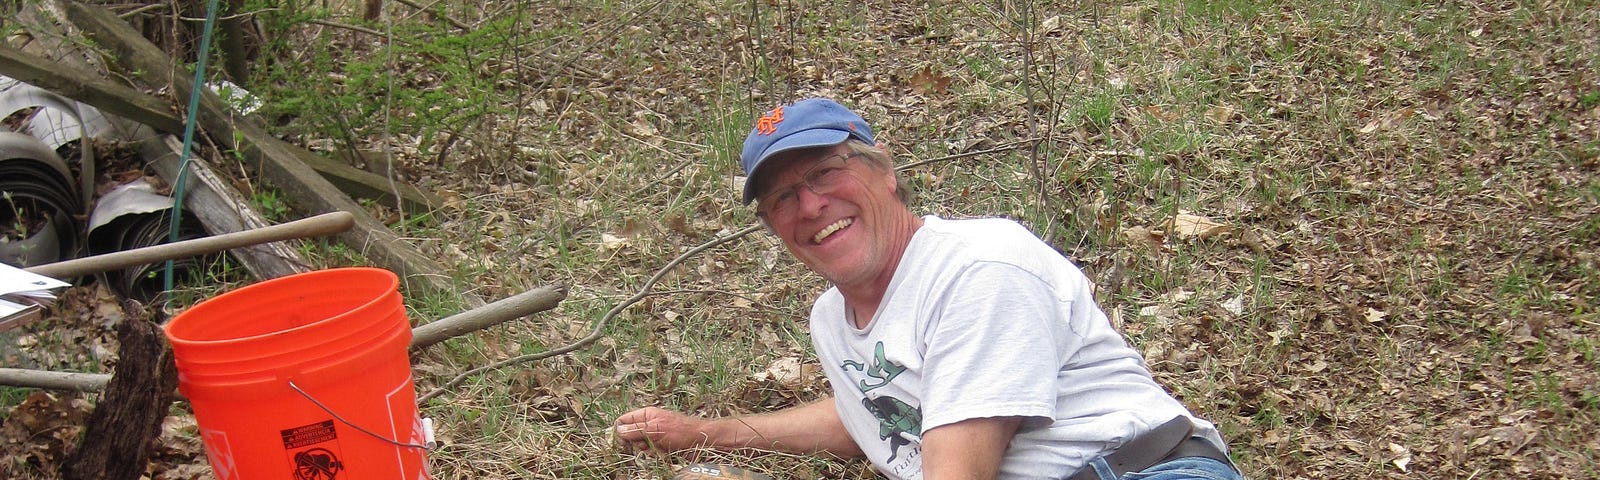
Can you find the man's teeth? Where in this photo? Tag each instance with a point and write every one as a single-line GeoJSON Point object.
{"type": "Point", "coordinates": [836, 226]}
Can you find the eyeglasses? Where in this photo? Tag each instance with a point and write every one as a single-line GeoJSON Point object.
{"type": "Point", "coordinates": [822, 178]}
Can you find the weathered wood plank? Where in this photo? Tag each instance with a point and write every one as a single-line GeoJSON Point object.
{"type": "Point", "coordinates": [222, 210]}
{"type": "Point", "coordinates": [126, 102]}
{"type": "Point", "coordinates": [89, 88]}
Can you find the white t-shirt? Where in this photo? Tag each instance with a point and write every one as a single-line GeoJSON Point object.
{"type": "Point", "coordinates": [983, 319]}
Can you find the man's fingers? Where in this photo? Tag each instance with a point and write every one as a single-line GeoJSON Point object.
{"type": "Point", "coordinates": [631, 417]}
{"type": "Point", "coordinates": [630, 431]}
{"type": "Point", "coordinates": [637, 416]}
{"type": "Point", "coordinates": [631, 437]}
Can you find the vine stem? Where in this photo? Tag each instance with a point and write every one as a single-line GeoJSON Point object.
{"type": "Point", "coordinates": [599, 325]}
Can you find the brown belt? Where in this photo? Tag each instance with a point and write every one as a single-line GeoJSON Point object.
{"type": "Point", "coordinates": [1171, 440]}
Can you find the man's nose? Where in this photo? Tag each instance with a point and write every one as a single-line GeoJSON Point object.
{"type": "Point", "coordinates": [809, 203]}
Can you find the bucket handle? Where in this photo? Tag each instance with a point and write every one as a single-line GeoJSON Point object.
{"type": "Point", "coordinates": [427, 433]}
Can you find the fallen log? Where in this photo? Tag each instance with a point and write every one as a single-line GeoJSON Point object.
{"type": "Point", "coordinates": [278, 161]}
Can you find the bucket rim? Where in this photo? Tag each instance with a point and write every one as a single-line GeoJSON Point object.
{"type": "Point", "coordinates": [329, 367]}
{"type": "Point", "coordinates": [176, 325]}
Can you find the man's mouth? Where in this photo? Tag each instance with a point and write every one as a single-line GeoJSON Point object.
{"type": "Point", "coordinates": [830, 229]}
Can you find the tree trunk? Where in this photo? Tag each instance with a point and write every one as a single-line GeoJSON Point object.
{"type": "Point", "coordinates": [117, 442]}
{"type": "Point", "coordinates": [234, 30]}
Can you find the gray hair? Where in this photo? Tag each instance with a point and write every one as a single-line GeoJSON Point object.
{"type": "Point", "coordinates": [878, 159]}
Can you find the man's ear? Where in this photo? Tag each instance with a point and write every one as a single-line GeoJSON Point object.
{"type": "Point", "coordinates": [767, 225]}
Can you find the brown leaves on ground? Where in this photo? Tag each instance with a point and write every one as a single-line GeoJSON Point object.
{"type": "Point", "coordinates": [927, 82]}
{"type": "Point", "coordinates": [39, 432]}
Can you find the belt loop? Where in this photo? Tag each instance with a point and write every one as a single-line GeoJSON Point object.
{"type": "Point", "coordinates": [1097, 469]}
{"type": "Point", "coordinates": [1103, 470]}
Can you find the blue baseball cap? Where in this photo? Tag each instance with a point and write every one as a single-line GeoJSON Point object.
{"type": "Point", "coordinates": [813, 122]}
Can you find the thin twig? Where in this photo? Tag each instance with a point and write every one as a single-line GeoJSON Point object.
{"type": "Point", "coordinates": [723, 292]}
{"type": "Point", "coordinates": [388, 107]}
{"type": "Point", "coordinates": [681, 165]}
{"type": "Point", "coordinates": [1012, 146]}
{"type": "Point", "coordinates": [349, 27]}
{"type": "Point", "coordinates": [235, 16]}
{"type": "Point", "coordinates": [572, 60]}
{"type": "Point", "coordinates": [599, 325]}
{"type": "Point", "coordinates": [452, 21]}
{"type": "Point", "coordinates": [652, 184]}
{"type": "Point", "coordinates": [136, 11]}
{"type": "Point", "coordinates": [421, 9]}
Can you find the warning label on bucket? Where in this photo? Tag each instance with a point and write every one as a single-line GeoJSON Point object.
{"type": "Point", "coordinates": [313, 451]}
{"type": "Point", "coordinates": [308, 435]}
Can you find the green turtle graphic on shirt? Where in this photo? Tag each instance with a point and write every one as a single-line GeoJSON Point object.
{"type": "Point", "coordinates": [898, 421]}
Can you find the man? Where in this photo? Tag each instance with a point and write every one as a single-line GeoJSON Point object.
{"type": "Point", "coordinates": [964, 349]}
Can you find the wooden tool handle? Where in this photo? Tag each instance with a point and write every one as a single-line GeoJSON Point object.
{"type": "Point", "coordinates": [325, 224]}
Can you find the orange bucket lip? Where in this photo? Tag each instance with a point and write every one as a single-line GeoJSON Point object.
{"type": "Point", "coordinates": [317, 285]}
{"type": "Point", "coordinates": [269, 330]}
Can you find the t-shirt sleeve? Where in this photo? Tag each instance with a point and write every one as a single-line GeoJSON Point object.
{"type": "Point", "coordinates": [993, 347]}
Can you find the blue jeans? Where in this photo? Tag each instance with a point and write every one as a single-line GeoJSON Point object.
{"type": "Point", "coordinates": [1186, 468]}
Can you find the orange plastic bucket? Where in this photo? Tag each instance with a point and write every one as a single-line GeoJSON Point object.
{"type": "Point", "coordinates": [303, 377]}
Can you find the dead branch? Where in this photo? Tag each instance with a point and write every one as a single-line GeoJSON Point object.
{"type": "Point", "coordinates": [140, 10]}
{"type": "Point", "coordinates": [345, 26]}
{"type": "Point", "coordinates": [958, 156]}
{"type": "Point", "coordinates": [82, 382]}
{"type": "Point", "coordinates": [452, 21]}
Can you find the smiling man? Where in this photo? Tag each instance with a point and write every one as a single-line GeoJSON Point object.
{"type": "Point", "coordinates": [956, 349]}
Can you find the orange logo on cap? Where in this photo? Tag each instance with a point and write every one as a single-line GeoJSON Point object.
{"type": "Point", "coordinates": [768, 123]}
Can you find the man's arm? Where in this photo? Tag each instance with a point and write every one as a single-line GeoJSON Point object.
{"type": "Point", "coordinates": [967, 450]}
{"type": "Point", "coordinates": [810, 428]}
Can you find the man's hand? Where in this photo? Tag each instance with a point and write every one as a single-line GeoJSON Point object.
{"type": "Point", "coordinates": [660, 429]}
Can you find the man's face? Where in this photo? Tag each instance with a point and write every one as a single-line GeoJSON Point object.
{"type": "Point", "coordinates": [850, 232]}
